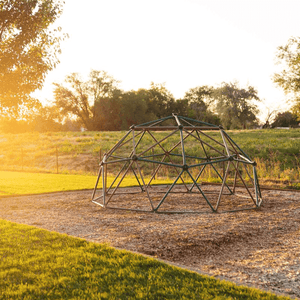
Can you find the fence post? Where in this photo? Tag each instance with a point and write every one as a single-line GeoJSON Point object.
{"type": "Point", "coordinates": [153, 164]}
{"type": "Point", "coordinates": [22, 158]}
{"type": "Point", "coordinates": [56, 160]}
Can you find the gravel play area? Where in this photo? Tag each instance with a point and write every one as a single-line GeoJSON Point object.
{"type": "Point", "coordinates": [259, 248]}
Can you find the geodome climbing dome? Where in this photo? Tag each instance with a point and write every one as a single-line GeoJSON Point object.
{"type": "Point", "coordinates": [169, 162]}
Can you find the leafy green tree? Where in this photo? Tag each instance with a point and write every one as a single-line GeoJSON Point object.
{"type": "Point", "coordinates": [88, 100]}
{"type": "Point", "coordinates": [289, 77]}
{"type": "Point", "coordinates": [28, 48]}
{"type": "Point", "coordinates": [199, 100]}
{"type": "Point", "coordinates": [13, 126]}
{"type": "Point", "coordinates": [46, 119]}
{"type": "Point", "coordinates": [289, 56]}
{"type": "Point", "coordinates": [123, 109]}
{"type": "Point", "coordinates": [102, 86]}
{"type": "Point", "coordinates": [200, 94]}
{"type": "Point", "coordinates": [71, 125]}
{"type": "Point", "coordinates": [17, 119]}
{"type": "Point", "coordinates": [160, 101]}
{"type": "Point", "coordinates": [134, 108]}
{"type": "Point", "coordinates": [74, 100]}
{"type": "Point", "coordinates": [285, 119]}
{"type": "Point", "coordinates": [32, 118]}
{"type": "Point", "coordinates": [108, 112]}
{"type": "Point", "coordinates": [181, 107]}
{"type": "Point", "coordinates": [235, 106]}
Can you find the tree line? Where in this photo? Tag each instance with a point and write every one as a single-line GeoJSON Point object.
{"type": "Point", "coordinates": [98, 104]}
{"type": "Point", "coordinates": [29, 50]}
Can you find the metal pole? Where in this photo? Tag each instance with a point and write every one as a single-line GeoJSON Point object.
{"type": "Point", "coordinates": [224, 141]}
{"type": "Point", "coordinates": [222, 187]}
{"type": "Point", "coordinates": [153, 164]}
{"type": "Point", "coordinates": [145, 188]}
{"type": "Point", "coordinates": [56, 160]}
{"type": "Point", "coordinates": [97, 181]}
{"type": "Point", "coordinates": [167, 193]}
{"type": "Point", "coordinates": [22, 158]}
{"type": "Point", "coordinates": [245, 185]}
{"type": "Point", "coordinates": [200, 190]}
{"type": "Point", "coordinates": [205, 142]}
{"type": "Point", "coordinates": [167, 154]}
{"type": "Point", "coordinates": [113, 192]}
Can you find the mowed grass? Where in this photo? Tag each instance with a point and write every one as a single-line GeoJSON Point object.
{"type": "Point", "coordinates": [18, 183]}
{"type": "Point", "coordinates": [21, 183]}
{"type": "Point", "coordinates": [38, 264]}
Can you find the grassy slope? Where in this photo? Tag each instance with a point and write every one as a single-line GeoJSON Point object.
{"type": "Point", "coordinates": [281, 145]}
{"type": "Point", "coordinates": [276, 152]}
{"type": "Point", "coordinates": [38, 264]}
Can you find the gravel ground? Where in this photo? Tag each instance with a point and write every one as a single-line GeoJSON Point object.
{"type": "Point", "coordinates": [259, 248]}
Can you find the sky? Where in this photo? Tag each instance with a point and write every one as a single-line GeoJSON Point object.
{"type": "Point", "coordinates": [181, 43]}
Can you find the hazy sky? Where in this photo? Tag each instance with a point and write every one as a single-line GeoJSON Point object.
{"type": "Point", "coordinates": [182, 43]}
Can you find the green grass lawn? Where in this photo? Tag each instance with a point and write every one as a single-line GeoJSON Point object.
{"type": "Point", "coordinates": [20, 183]}
{"type": "Point", "coordinates": [38, 264]}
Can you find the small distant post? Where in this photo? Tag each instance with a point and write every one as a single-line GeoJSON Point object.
{"type": "Point", "coordinates": [153, 163]}
{"type": "Point", "coordinates": [22, 158]}
{"type": "Point", "coordinates": [56, 160]}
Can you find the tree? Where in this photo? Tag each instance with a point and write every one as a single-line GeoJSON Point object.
{"type": "Point", "coordinates": [199, 101]}
{"type": "Point", "coordinates": [17, 119]}
{"type": "Point", "coordinates": [270, 116]}
{"type": "Point", "coordinates": [74, 100]}
{"type": "Point", "coordinates": [200, 94]}
{"type": "Point", "coordinates": [289, 55]}
{"type": "Point", "coordinates": [108, 112]}
{"type": "Point", "coordinates": [86, 100]}
{"type": "Point", "coordinates": [28, 48]}
{"type": "Point", "coordinates": [285, 119]}
{"type": "Point", "coordinates": [46, 119]}
{"type": "Point", "coordinates": [134, 108]}
{"type": "Point", "coordinates": [32, 118]}
{"type": "Point", "coordinates": [289, 78]}
{"type": "Point", "coordinates": [181, 107]}
{"type": "Point", "coordinates": [160, 101]}
{"type": "Point", "coordinates": [235, 106]}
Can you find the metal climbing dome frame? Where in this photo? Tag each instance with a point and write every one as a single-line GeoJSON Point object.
{"type": "Point", "coordinates": [185, 152]}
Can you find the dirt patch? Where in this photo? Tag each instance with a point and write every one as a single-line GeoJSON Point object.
{"type": "Point", "coordinates": [255, 247]}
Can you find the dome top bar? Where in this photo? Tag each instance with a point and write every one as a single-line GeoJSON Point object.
{"type": "Point", "coordinates": [168, 128]}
